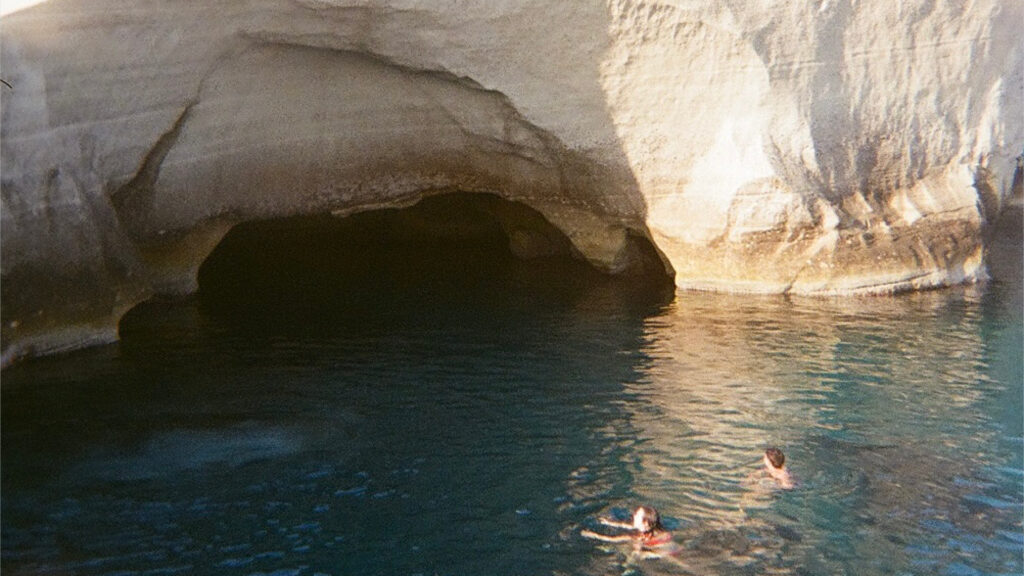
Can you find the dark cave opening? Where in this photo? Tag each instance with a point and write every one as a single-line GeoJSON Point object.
{"type": "Point", "coordinates": [449, 256]}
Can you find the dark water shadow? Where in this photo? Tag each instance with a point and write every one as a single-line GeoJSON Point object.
{"type": "Point", "coordinates": [444, 260]}
{"type": "Point", "coordinates": [348, 394]}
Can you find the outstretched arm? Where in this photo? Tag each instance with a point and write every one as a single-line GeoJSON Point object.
{"type": "Point", "coordinates": [616, 524]}
{"type": "Point", "coordinates": [605, 538]}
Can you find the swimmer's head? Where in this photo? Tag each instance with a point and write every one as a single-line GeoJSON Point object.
{"type": "Point", "coordinates": [774, 458]}
{"type": "Point", "coordinates": [647, 519]}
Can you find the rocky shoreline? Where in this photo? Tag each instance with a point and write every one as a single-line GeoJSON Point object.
{"type": "Point", "coordinates": [843, 149]}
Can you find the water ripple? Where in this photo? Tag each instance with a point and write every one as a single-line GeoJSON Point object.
{"type": "Point", "coordinates": [482, 441]}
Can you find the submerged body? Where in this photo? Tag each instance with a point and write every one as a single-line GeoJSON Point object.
{"type": "Point", "coordinates": [646, 532]}
{"type": "Point", "coordinates": [404, 440]}
{"type": "Point", "coordinates": [774, 470]}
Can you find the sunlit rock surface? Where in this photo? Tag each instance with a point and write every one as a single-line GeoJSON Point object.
{"type": "Point", "coordinates": [823, 147]}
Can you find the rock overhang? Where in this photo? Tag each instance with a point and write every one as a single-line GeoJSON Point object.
{"type": "Point", "coordinates": [753, 158]}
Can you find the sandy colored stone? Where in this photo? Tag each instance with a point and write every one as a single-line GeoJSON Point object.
{"type": "Point", "coordinates": [824, 148]}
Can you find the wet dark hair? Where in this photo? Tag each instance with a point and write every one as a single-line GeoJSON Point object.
{"type": "Point", "coordinates": [652, 519]}
{"type": "Point", "coordinates": [775, 456]}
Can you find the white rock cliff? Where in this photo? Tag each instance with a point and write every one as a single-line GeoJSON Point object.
{"type": "Point", "coordinates": [824, 147]}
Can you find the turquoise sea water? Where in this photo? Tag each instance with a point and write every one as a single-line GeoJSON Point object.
{"type": "Point", "coordinates": [423, 424]}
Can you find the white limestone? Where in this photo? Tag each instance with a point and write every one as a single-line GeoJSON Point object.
{"type": "Point", "coordinates": [771, 146]}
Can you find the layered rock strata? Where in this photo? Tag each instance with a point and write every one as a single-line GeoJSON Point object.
{"type": "Point", "coordinates": [830, 147]}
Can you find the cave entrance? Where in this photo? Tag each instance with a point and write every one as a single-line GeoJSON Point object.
{"type": "Point", "coordinates": [455, 255]}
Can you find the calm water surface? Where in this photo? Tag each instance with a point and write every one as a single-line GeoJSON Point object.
{"type": "Point", "coordinates": [430, 426]}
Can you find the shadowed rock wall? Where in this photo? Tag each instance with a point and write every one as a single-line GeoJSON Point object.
{"type": "Point", "coordinates": [832, 147]}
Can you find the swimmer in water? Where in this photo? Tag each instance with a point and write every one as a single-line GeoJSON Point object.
{"type": "Point", "coordinates": [647, 534]}
{"type": "Point", "coordinates": [773, 472]}
{"type": "Point", "coordinates": [775, 466]}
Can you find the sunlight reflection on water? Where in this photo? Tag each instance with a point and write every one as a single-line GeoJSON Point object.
{"type": "Point", "coordinates": [480, 439]}
{"type": "Point", "coordinates": [884, 406]}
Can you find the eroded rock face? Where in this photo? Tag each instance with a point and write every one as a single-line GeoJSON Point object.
{"type": "Point", "coordinates": [833, 147]}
